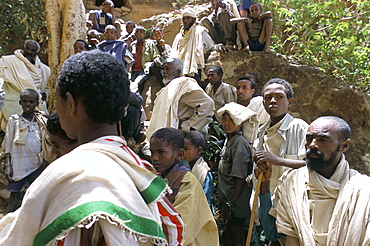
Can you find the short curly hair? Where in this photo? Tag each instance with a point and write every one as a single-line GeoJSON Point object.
{"type": "Point", "coordinates": [170, 136]}
{"type": "Point", "coordinates": [288, 87]}
{"type": "Point", "coordinates": [100, 80]}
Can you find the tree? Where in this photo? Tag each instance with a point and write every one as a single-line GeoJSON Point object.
{"type": "Point", "coordinates": [330, 34]}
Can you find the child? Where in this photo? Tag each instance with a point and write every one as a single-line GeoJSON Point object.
{"type": "Point", "coordinates": [115, 47]}
{"type": "Point", "coordinates": [235, 166]}
{"type": "Point", "coordinates": [167, 154]}
{"type": "Point", "coordinates": [80, 45]}
{"type": "Point", "coordinates": [193, 145]}
{"type": "Point", "coordinates": [25, 146]}
{"type": "Point", "coordinates": [259, 29]}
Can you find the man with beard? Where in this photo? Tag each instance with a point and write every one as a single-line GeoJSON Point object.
{"type": "Point", "coordinates": [191, 43]}
{"type": "Point", "coordinates": [23, 70]}
{"type": "Point", "coordinates": [182, 103]}
{"type": "Point", "coordinates": [325, 202]}
{"type": "Point", "coordinates": [281, 139]}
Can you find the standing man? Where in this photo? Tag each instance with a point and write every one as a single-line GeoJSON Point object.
{"type": "Point", "coordinates": [220, 92]}
{"type": "Point", "coordinates": [323, 203]}
{"type": "Point", "coordinates": [101, 188]}
{"type": "Point", "coordinates": [23, 70]}
{"type": "Point", "coordinates": [182, 103]}
{"type": "Point", "coordinates": [191, 43]}
{"type": "Point", "coordinates": [280, 140]}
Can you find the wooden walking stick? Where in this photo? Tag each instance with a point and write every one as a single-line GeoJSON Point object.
{"type": "Point", "coordinates": [255, 199]}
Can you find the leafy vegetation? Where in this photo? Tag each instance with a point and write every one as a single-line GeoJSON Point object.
{"type": "Point", "coordinates": [330, 34]}
{"type": "Point", "coordinates": [20, 20]}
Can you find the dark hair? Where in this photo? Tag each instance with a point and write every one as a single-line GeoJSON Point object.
{"type": "Point", "coordinates": [253, 83]}
{"type": "Point", "coordinates": [170, 136]}
{"type": "Point", "coordinates": [288, 88]}
{"type": "Point", "coordinates": [131, 23]}
{"type": "Point", "coordinates": [83, 41]}
{"type": "Point", "coordinates": [108, 2]}
{"type": "Point", "coordinates": [53, 126]}
{"type": "Point", "coordinates": [100, 80]}
{"type": "Point", "coordinates": [93, 31]}
{"type": "Point", "coordinates": [343, 126]}
{"type": "Point", "coordinates": [32, 93]}
{"type": "Point", "coordinates": [196, 138]}
{"type": "Point", "coordinates": [217, 69]}
{"type": "Point", "coordinates": [253, 76]}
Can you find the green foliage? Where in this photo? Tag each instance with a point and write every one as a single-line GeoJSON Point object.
{"type": "Point", "coordinates": [212, 150]}
{"type": "Point", "coordinates": [330, 34]}
{"type": "Point", "coordinates": [20, 20]}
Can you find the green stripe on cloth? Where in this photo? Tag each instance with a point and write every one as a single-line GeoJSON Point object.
{"type": "Point", "coordinates": [76, 215]}
{"type": "Point", "coordinates": [154, 190]}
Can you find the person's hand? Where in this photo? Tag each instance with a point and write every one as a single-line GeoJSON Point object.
{"type": "Point", "coordinates": [265, 156]}
{"type": "Point", "coordinates": [249, 23]}
{"type": "Point", "coordinates": [249, 180]}
{"type": "Point", "coordinates": [161, 43]}
{"type": "Point", "coordinates": [225, 212]}
{"type": "Point", "coordinates": [223, 49]}
{"type": "Point", "coordinates": [9, 174]}
{"type": "Point", "coordinates": [158, 62]}
{"type": "Point", "coordinates": [265, 168]}
{"type": "Point", "coordinates": [94, 41]}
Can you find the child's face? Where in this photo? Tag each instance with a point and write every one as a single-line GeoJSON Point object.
{"type": "Point", "coordinates": [157, 35]}
{"type": "Point", "coordinates": [79, 47]}
{"type": "Point", "coordinates": [191, 152]}
{"type": "Point", "coordinates": [130, 28]}
{"type": "Point", "coordinates": [228, 124]}
{"type": "Point", "coordinates": [60, 146]}
{"type": "Point", "coordinates": [110, 34]}
{"type": "Point", "coordinates": [163, 155]}
{"type": "Point", "coordinates": [28, 102]}
{"type": "Point", "coordinates": [255, 10]}
{"type": "Point", "coordinates": [275, 100]}
{"type": "Point", "coordinates": [140, 34]}
{"type": "Point", "coordinates": [106, 8]}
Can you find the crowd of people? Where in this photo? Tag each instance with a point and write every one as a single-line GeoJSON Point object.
{"type": "Point", "coordinates": [90, 184]}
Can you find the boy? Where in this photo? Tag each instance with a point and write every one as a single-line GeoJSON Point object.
{"type": "Point", "coordinates": [193, 146]}
{"type": "Point", "coordinates": [235, 166]}
{"type": "Point", "coordinates": [25, 146]}
{"type": "Point", "coordinates": [167, 154]}
{"type": "Point", "coordinates": [259, 29]}
{"type": "Point", "coordinates": [101, 18]}
{"type": "Point", "coordinates": [115, 47]}
{"type": "Point", "coordinates": [60, 142]}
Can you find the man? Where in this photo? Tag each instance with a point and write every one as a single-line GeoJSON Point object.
{"type": "Point", "coordinates": [220, 92]}
{"type": "Point", "coordinates": [245, 89]}
{"type": "Point", "coordinates": [253, 77]}
{"type": "Point", "coordinates": [181, 104]}
{"type": "Point", "coordinates": [22, 70]}
{"type": "Point", "coordinates": [101, 183]}
{"type": "Point", "coordinates": [218, 24]}
{"type": "Point", "coordinates": [145, 53]}
{"type": "Point", "coordinates": [191, 43]}
{"type": "Point", "coordinates": [280, 140]}
{"type": "Point", "coordinates": [323, 203]}
{"type": "Point", "coordinates": [101, 18]}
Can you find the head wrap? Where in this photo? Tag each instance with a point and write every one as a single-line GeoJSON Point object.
{"type": "Point", "coordinates": [189, 12]}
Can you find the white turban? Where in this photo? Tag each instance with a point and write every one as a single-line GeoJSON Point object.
{"type": "Point", "coordinates": [189, 12]}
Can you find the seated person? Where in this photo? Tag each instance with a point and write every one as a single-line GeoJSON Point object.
{"type": "Point", "coordinates": [93, 38]}
{"type": "Point", "coordinates": [163, 48]}
{"type": "Point", "coordinates": [80, 45]}
{"type": "Point", "coordinates": [129, 37]}
{"type": "Point", "coordinates": [193, 145]}
{"type": "Point", "coordinates": [259, 29]}
{"type": "Point", "coordinates": [101, 18]}
{"type": "Point", "coordinates": [167, 154]}
{"type": "Point", "coordinates": [115, 47]}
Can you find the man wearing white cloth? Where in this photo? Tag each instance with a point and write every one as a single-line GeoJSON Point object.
{"type": "Point", "coordinates": [325, 202]}
{"type": "Point", "coordinates": [20, 71]}
{"type": "Point", "coordinates": [191, 43]}
{"type": "Point", "coordinates": [99, 193]}
{"type": "Point", "coordinates": [182, 103]}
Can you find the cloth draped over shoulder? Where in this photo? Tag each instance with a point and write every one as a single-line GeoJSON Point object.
{"type": "Point", "coordinates": [18, 74]}
{"type": "Point", "coordinates": [242, 115]}
{"type": "Point", "coordinates": [166, 106]}
{"type": "Point", "coordinates": [349, 220]}
{"type": "Point", "coordinates": [190, 48]}
{"type": "Point", "coordinates": [118, 49]}
{"type": "Point", "coordinates": [97, 181]}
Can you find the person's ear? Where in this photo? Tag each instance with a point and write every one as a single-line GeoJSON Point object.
{"type": "Point", "coordinates": [345, 145]}
{"type": "Point", "coordinates": [253, 90]}
{"type": "Point", "coordinates": [199, 150]}
{"type": "Point", "coordinates": [180, 154]}
{"type": "Point", "coordinates": [71, 104]}
{"type": "Point", "coordinates": [290, 102]}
